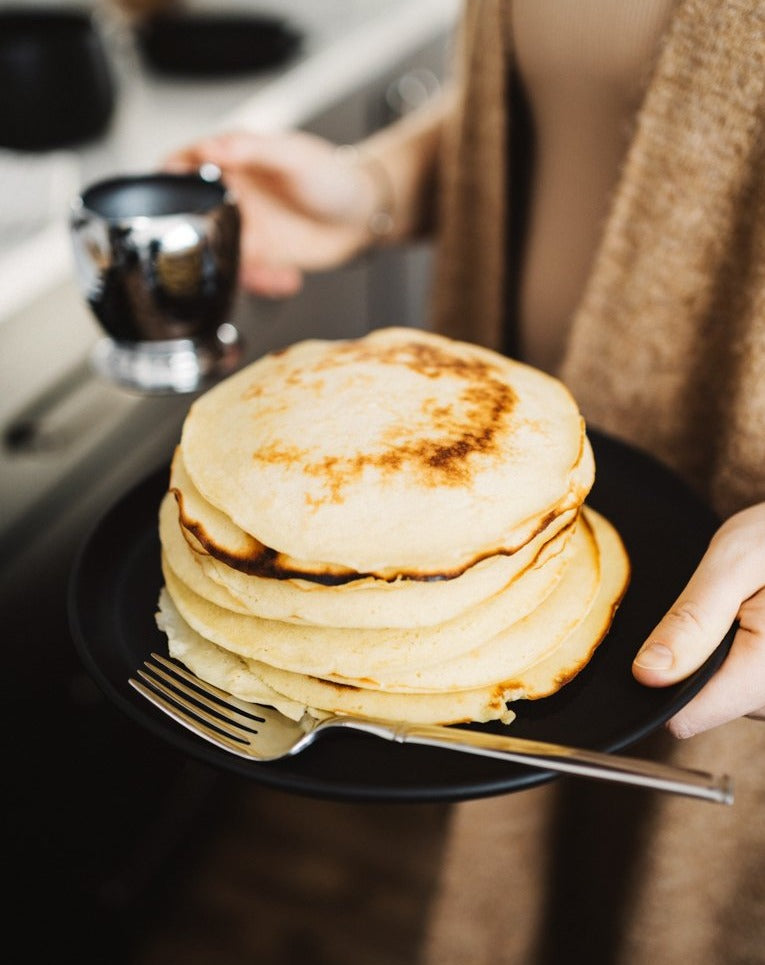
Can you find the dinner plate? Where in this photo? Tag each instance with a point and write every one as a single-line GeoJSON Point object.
{"type": "Point", "coordinates": [116, 580]}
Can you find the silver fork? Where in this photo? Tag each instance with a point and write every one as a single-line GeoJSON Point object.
{"type": "Point", "coordinates": [261, 733]}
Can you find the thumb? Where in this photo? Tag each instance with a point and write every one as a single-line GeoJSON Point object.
{"type": "Point", "coordinates": [729, 573]}
{"type": "Point", "coordinates": [683, 639]}
{"type": "Point", "coordinates": [737, 689]}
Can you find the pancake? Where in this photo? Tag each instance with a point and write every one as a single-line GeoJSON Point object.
{"type": "Point", "coordinates": [352, 454]}
{"type": "Point", "coordinates": [394, 526]}
{"type": "Point", "coordinates": [552, 672]}
{"type": "Point", "coordinates": [218, 536]}
{"type": "Point", "coordinates": [213, 534]}
{"type": "Point", "coordinates": [247, 678]}
{"type": "Point", "coordinates": [374, 603]}
{"type": "Point", "coordinates": [187, 564]}
{"type": "Point", "coordinates": [356, 653]}
{"type": "Point", "coordinates": [216, 665]}
{"type": "Point", "coordinates": [362, 604]}
{"type": "Point", "coordinates": [519, 644]}
{"type": "Point", "coordinates": [238, 676]}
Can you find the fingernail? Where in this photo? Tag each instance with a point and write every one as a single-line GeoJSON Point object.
{"type": "Point", "coordinates": [655, 656]}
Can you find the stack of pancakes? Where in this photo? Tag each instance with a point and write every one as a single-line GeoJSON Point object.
{"type": "Point", "coordinates": [392, 526]}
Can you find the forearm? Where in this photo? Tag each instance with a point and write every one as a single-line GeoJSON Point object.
{"type": "Point", "coordinates": [401, 161]}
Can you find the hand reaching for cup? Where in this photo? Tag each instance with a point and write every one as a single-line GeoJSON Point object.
{"type": "Point", "coordinates": [308, 205]}
{"type": "Point", "coordinates": [304, 207]}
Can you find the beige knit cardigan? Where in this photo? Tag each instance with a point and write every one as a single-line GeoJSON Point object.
{"type": "Point", "coordinates": [667, 350]}
{"type": "Point", "coordinates": [667, 347]}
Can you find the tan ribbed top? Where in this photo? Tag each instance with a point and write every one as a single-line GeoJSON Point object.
{"type": "Point", "coordinates": [666, 346]}
{"type": "Point", "coordinates": [583, 67]}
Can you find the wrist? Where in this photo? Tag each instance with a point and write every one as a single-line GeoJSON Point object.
{"type": "Point", "coordinates": [379, 216]}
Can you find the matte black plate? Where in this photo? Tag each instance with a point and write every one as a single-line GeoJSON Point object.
{"type": "Point", "coordinates": [116, 581]}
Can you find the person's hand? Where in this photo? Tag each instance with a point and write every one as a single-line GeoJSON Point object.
{"type": "Point", "coordinates": [304, 208]}
{"type": "Point", "coordinates": [728, 585]}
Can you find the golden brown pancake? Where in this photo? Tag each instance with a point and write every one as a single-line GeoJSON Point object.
{"type": "Point", "coordinates": [372, 654]}
{"type": "Point", "coordinates": [393, 526]}
{"type": "Point", "coordinates": [400, 453]}
{"type": "Point", "coordinates": [252, 679]}
{"type": "Point", "coordinates": [364, 604]}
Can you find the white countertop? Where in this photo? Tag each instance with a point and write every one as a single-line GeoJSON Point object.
{"type": "Point", "coordinates": [346, 42]}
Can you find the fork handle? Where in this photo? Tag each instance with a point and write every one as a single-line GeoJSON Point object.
{"type": "Point", "coordinates": [571, 760]}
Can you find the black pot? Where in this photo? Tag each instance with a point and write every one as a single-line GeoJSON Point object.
{"type": "Point", "coordinates": [215, 44]}
{"type": "Point", "coordinates": [56, 81]}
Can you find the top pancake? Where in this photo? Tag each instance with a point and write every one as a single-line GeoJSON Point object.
{"type": "Point", "coordinates": [401, 451]}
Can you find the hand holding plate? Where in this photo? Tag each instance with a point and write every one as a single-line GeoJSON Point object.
{"type": "Point", "coordinates": [728, 586]}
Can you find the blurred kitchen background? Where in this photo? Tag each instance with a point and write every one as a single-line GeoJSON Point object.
{"type": "Point", "coordinates": [116, 850]}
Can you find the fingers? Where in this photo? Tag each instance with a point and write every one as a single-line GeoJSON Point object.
{"type": "Point", "coordinates": [271, 281]}
{"type": "Point", "coordinates": [690, 631]}
{"type": "Point", "coordinates": [730, 572]}
{"type": "Point", "coordinates": [236, 153]}
{"type": "Point", "coordinates": [738, 687]}
{"type": "Point", "coordinates": [233, 149]}
{"type": "Point", "coordinates": [728, 586]}
{"type": "Point", "coordinates": [294, 197]}
{"type": "Point", "coordinates": [249, 150]}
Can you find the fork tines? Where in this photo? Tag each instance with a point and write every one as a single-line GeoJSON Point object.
{"type": "Point", "coordinates": [201, 707]}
